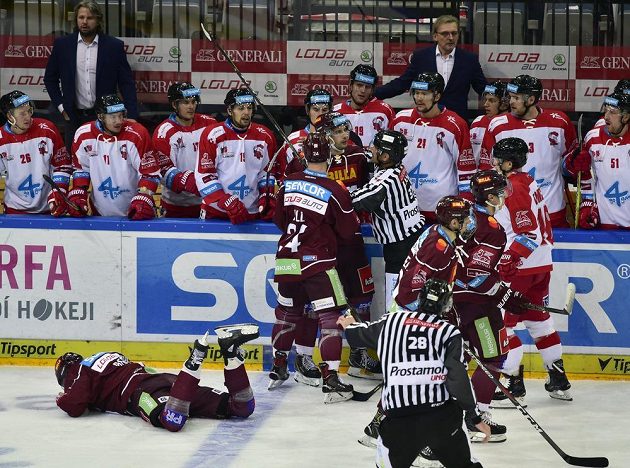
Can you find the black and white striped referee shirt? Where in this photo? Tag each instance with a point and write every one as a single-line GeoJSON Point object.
{"type": "Point", "coordinates": [393, 204]}
{"type": "Point", "coordinates": [422, 358]}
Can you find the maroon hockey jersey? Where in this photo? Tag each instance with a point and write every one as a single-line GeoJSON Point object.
{"type": "Point", "coordinates": [312, 211]}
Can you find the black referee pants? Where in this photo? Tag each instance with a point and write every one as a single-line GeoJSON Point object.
{"type": "Point", "coordinates": [440, 429]}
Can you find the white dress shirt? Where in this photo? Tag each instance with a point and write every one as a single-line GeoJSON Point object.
{"type": "Point", "coordinates": [86, 73]}
{"type": "Point", "coordinates": [444, 64]}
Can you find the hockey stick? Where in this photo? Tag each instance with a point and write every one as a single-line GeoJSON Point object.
{"type": "Point", "coordinates": [578, 187]}
{"type": "Point", "coordinates": [568, 303]}
{"type": "Point", "coordinates": [575, 461]}
{"type": "Point", "coordinates": [55, 187]}
{"type": "Point", "coordinates": [365, 396]}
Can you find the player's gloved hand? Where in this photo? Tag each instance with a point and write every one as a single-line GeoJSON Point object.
{"type": "Point", "coordinates": [508, 265]}
{"type": "Point", "coordinates": [364, 217]}
{"type": "Point", "coordinates": [57, 202]}
{"type": "Point", "coordinates": [267, 205]}
{"type": "Point", "coordinates": [78, 197]}
{"type": "Point", "coordinates": [181, 181]}
{"type": "Point", "coordinates": [510, 300]}
{"type": "Point", "coordinates": [577, 163]}
{"type": "Point", "coordinates": [142, 207]}
{"type": "Point", "coordinates": [589, 215]}
{"type": "Point", "coordinates": [234, 208]}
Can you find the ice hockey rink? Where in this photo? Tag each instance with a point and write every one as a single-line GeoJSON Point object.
{"type": "Point", "coordinates": [290, 427]}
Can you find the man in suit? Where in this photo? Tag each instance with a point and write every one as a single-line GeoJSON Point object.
{"type": "Point", "coordinates": [100, 68]}
{"type": "Point", "coordinates": [459, 68]}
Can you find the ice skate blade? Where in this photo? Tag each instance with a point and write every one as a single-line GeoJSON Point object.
{"type": "Point", "coordinates": [247, 329]}
{"type": "Point", "coordinates": [563, 395]}
{"type": "Point", "coordinates": [507, 404]}
{"type": "Point", "coordinates": [336, 397]}
{"type": "Point", "coordinates": [478, 437]}
{"type": "Point", "coordinates": [367, 441]}
{"type": "Point", "coordinates": [363, 374]}
{"type": "Point", "coordinates": [422, 462]}
{"type": "Point", "coordinates": [273, 384]}
{"type": "Point", "coordinates": [310, 381]}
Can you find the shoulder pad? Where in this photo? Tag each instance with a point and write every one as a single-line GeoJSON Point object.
{"type": "Point", "coordinates": [405, 113]}
{"type": "Point", "coordinates": [216, 132]}
{"type": "Point", "coordinates": [496, 121]}
{"type": "Point", "coordinates": [163, 129]}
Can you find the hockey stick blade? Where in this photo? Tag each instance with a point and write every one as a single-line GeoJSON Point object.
{"type": "Point", "coordinates": [571, 460]}
{"type": "Point", "coordinates": [365, 396]}
{"type": "Point", "coordinates": [568, 303]}
{"type": "Point", "coordinates": [55, 187]}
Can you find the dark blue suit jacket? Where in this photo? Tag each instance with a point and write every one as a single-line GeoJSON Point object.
{"type": "Point", "coordinates": [112, 72]}
{"type": "Point", "coordinates": [466, 73]}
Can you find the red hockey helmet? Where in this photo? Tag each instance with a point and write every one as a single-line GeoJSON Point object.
{"type": "Point", "coordinates": [316, 147]}
{"type": "Point", "coordinates": [64, 363]}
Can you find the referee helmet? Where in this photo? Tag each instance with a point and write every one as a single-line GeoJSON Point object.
{"type": "Point", "coordinates": [436, 297]}
{"type": "Point", "coordinates": [391, 142]}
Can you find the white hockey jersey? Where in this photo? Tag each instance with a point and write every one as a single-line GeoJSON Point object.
{"type": "Point", "coordinates": [477, 131]}
{"type": "Point", "coordinates": [286, 154]}
{"type": "Point", "coordinates": [181, 145]}
{"type": "Point", "coordinates": [376, 115]}
{"type": "Point", "coordinates": [25, 158]}
{"type": "Point", "coordinates": [111, 163]}
{"type": "Point", "coordinates": [525, 219]}
{"type": "Point", "coordinates": [234, 163]}
{"type": "Point", "coordinates": [550, 136]}
{"type": "Point", "coordinates": [439, 158]}
{"type": "Point", "coordinates": [610, 168]}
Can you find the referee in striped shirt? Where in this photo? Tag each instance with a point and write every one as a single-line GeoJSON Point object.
{"type": "Point", "coordinates": [426, 385]}
{"type": "Point", "coordinates": [389, 197]}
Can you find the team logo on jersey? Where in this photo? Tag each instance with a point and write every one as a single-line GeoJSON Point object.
{"type": "Point", "coordinates": [5, 156]}
{"type": "Point", "coordinates": [522, 219]}
{"type": "Point", "coordinates": [179, 144]}
{"type": "Point", "coordinates": [440, 139]}
{"type": "Point", "coordinates": [206, 162]}
{"type": "Point", "coordinates": [599, 157]}
{"type": "Point", "coordinates": [419, 279]}
{"type": "Point", "coordinates": [481, 257]}
{"type": "Point", "coordinates": [259, 151]}
{"type": "Point", "coordinates": [123, 151]}
{"type": "Point", "coordinates": [42, 147]}
{"type": "Point", "coordinates": [553, 138]}
{"type": "Point", "coordinates": [378, 123]}
{"type": "Point", "coordinates": [89, 151]}
{"type": "Point", "coordinates": [224, 151]}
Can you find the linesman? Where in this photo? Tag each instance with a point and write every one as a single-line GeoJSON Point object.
{"type": "Point", "coordinates": [426, 387]}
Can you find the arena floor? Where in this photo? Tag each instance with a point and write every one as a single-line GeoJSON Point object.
{"type": "Point", "coordinates": [291, 427]}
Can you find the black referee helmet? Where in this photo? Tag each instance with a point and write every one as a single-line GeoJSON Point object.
{"type": "Point", "coordinates": [391, 142]}
{"type": "Point", "coordinates": [436, 297]}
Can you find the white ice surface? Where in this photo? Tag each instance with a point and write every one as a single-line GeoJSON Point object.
{"type": "Point", "coordinates": [291, 427]}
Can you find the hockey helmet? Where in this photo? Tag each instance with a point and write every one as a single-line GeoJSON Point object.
{"type": "Point", "coordinates": [109, 104]}
{"type": "Point", "coordinates": [328, 122]}
{"type": "Point", "coordinates": [318, 96]}
{"type": "Point", "coordinates": [436, 297]}
{"type": "Point", "coordinates": [63, 363]}
{"type": "Point", "coordinates": [487, 182]}
{"type": "Point", "coordinates": [428, 81]}
{"type": "Point", "coordinates": [13, 100]}
{"type": "Point", "coordinates": [452, 207]}
{"type": "Point", "coordinates": [496, 88]}
{"type": "Point", "coordinates": [239, 96]}
{"type": "Point", "coordinates": [392, 142]}
{"type": "Point", "coordinates": [622, 86]}
{"type": "Point", "coordinates": [525, 84]}
{"type": "Point", "coordinates": [316, 147]}
{"type": "Point", "coordinates": [619, 100]}
{"type": "Point", "coordinates": [511, 149]}
{"type": "Point", "coordinates": [364, 74]}
{"type": "Point", "coordinates": [183, 90]}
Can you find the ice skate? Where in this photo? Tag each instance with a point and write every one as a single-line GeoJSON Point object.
{"type": "Point", "coordinates": [197, 354]}
{"type": "Point", "coordinates": [361, 365]}
{"type": "Point", "coordinates": [498, 432]}
{"type": "Point", "coordinates": [371, 430]}
{"type": "Point", "coordinates": [427, 459]}
{"type": "Point", "coordinates": [233, 336]}
{"type": "Point", "coordinates": [334, 389]}
{"type": "Point", "coordinates": [557, 383]}
{"type": "Point", "coordinates": [306, 371]}
{"type": "Point", "coordinates": [516, 386]}
{"type": "Point", "coordinates": [279, 373]}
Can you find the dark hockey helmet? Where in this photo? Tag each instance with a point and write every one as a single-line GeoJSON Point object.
{"type": "Point", "coordinates": [496, 88]}
{"type": "Point", "coordinates": [13, 100]}
{"type": "Point", "coordinates": [318, 96]}
{"type": "Point", "coordinates": [622, 86]}
{"type": "Point", "coordinates": [452, 207]}
{"type": "Point", "coordinates": [328, 122]}
{"type": "Point", "coordinates": [183, 90]}
{"type": "Point", "coordinates": [619, 100]}
{"type": "Point", "coordinates": [428, 81]}
{"type": "Point", "coordinates": [109, 104]}
{"type": "Point", "coordinates": [525, 84]}
{"type": "Point", "coordinates": [63, 365]}
{"type": "Point", "coordinates": [487, 182]}
{"type": "Point", "coordinates": [436, 297]}
{"type": "Point", "coordinates": [511, 149]}
{"type": "Point", "coordinates": [239, 96]}
{"type": "Point", "coordinates": [316, 147]}
{"type": "Point", "coordinates": [392, 142]}
{"type": "Point", "coordinates": [364, 74]}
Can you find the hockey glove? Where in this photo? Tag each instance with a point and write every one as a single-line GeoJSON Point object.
{"type": "Point", "coordinates": [575, 164]}
{"type": "Point", "coordinates": [78, 197]}
{"type": "Point", "coordinates": [589, 215]}
{"type": "Point", "coordinates": [234, 208]}
{"type": "Point", "coordinates": [266, 205]}
{"type": "Point", "coordinates": [508, 265]}
{"type": "Point", "coordinates": [57, 202]}
{"type": "Point", "coordinates": [181, 181]}
{"type": "Point", "coordinates": [364, 217]}
{"type": "Point", "coordinates": [510, 300]}
{"type": "Point", "coordinates": [142, 207]}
